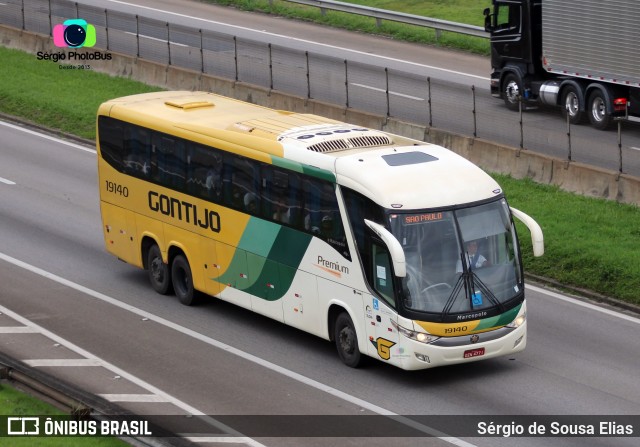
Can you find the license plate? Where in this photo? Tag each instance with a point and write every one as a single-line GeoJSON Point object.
{"type": "Point", "coordinates": [473, 353]}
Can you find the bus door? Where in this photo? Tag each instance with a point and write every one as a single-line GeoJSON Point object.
{"type": "Point", "coordinates": [379, 307]}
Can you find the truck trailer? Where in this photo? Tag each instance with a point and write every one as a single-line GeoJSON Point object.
{"type": "Point", "coordinates": [580, 55]}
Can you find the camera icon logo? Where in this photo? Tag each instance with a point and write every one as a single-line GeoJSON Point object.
{"type": "Point", "coordinates": [74, 33]}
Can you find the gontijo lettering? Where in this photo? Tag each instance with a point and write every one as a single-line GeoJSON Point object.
{"type": "Point", "coordinates": [184, 211]}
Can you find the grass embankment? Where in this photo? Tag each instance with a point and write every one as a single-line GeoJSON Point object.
{"type": "Point", "coordinates": [460, 11]}
{"type": "Point", "coordinates": [17, 403]}
{"type": "Point", "coordinates": [590, 243]}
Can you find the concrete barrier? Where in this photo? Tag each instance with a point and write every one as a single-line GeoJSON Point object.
{"type": "Point", "coordinates": [493, 157]}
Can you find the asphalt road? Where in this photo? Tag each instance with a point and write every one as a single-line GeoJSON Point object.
{"type": "Point", "coordinates": [219, 359]}
{"type": "Point", "coordinates": [452, 76]}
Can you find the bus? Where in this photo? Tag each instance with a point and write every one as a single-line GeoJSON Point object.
{"type": "Point", "coordinates": [389, 247]}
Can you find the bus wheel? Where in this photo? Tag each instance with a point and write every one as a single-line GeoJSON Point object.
{"type": "Point", "coordinates": [182, 280]}
{"type": "Point", "coordinates": [347, 341]}
{"type": "Point", "coordinates": [158, 271]}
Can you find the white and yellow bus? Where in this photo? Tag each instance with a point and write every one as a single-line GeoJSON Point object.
{"type": "Point", "coordinates": [389, 247]}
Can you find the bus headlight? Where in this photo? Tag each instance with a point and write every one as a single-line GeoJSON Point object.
{"type": "Point", "coordinates": [417, 336]}
{"type": "Point", "coordinates": [519, 321]}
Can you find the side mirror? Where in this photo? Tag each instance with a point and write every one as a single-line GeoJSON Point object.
{"type": "Point", "coordinates": [395, 249]}
{"type": "Point", "coordinates": [537, 238]}
{"type": "Point", "coordinates": [487, 20]}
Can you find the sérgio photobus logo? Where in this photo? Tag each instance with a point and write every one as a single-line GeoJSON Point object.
{"type": "Point", "coordinates": [73, 34]}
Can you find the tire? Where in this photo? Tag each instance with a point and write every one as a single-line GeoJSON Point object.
{"type": "Point", "coordinates": [158, 271]}
{"type": "Point", "coordinates": [572, 105]}
{"type": "Point", "coordinates": [599, 117]}
{"type": "Point", "coordinates": [512, 91]}
{"type": "Point", "coordinates": [346, 341]}
{"type": "Point", "coordinates": [182, 280]}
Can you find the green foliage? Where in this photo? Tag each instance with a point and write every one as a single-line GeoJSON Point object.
{"type": "Point", "coordinates": [589, 243]}
{"type": "Point", "coordinates": [460, 11]}
{"type": "Point", "coordinates": [41, 92]}
{"type": "Point", "coordinates": [17, 403]}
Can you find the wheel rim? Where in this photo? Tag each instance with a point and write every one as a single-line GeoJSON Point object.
{"type": "Point", "coordinates": [598, 109]}
{"type": "Point", "coordinates": [572, 104]}
{"type": "Point", "coordinates": [512, 91]}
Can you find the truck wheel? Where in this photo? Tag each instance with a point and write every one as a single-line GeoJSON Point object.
{"type": "Point", "coordinates": [572, 105]}
{"type": "Point", "coordinates": [158, 271]}
{"type": "Point", "coordinates": [599, 117]}
{"type": "Point", "coordinates": [512, 91]}
{"type": "Point", "coordinates": [182, 280]}
{"type": "Point", "coordinates": [347, 341]}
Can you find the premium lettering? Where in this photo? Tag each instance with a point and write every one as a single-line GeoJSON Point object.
{"type": "Point", "coordinates": [184, 211]}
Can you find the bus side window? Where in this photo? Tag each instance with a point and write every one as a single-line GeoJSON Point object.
{"type": "Point", "coordinates": [171, 163]}
{"type": "Point", "coordinates": [381, 273]}
{"type": "Point", "coordinates": [322, 215]}
{"type": "Point", "coordinates": [136, 151]}
{"type": "Point", "coordinates": [111, 134]}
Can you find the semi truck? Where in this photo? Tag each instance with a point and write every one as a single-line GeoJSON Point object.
{"type": "Point", "coordinates": [580, 55]}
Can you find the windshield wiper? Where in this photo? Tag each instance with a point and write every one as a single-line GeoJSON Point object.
{"type": "Point", "coordinates": [485, 291]}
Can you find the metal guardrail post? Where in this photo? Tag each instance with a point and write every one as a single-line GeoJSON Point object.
{"type": "Point", "coordinates": [520, 110]}
{"type": "Point", "coordinates": [22, 11]}
{"type": "Point", "coordinates": [137, 36]}
{"type": "Point", "coordinates": [429, 101]}
{"type": "Point", "coordinates": [235, 54]}
{"type": "Point", "coordinates": [270, 68]}
{"type": "Point", "coordinates": [346, 81]}
{"type": "Point", "coordinates": [569, 135]}
{"type": "Point", "coordinates": [201, 52]}
{"type": "Point", "coordinates": [106, 26]}
{"type": "Point", "coordinates": [386, 90]}
{"type": "Point", "coordinates": [306, 55]}
{"type": "Point", "coordinates": [168, 43]}
{"type": "Point", "coordinates": [475, 124]}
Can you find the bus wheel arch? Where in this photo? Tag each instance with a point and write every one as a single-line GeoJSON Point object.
{"type": "Point", "coordinates": [343, 333]}
{"type": "Point", "coordinates": [158, 271]}
{"type": "Point", "coordinates": [182, 277]}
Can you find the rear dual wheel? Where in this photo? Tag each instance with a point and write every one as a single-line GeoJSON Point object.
{"type": "Point", "coordinates": [178, 277]}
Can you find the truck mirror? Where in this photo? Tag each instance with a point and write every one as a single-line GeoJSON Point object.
{"type": "Point", "coordinates": [487, 20]}
{"type": "Point", "coordinates": [395, 249]}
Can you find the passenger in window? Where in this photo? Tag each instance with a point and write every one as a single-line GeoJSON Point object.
{"type": "Point", "coordinates": [281, 214]}
{"type": "Point", "coordinates": [250, 203]}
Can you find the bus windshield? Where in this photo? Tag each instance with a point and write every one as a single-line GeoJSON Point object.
{"type": "Point", "coordinates": [459, 261]}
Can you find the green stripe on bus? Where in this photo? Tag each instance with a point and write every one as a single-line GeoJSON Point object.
{"type": "Point", "coordinates": [498, 320]}
{"type": "Point", "coordinates": [303, 169]}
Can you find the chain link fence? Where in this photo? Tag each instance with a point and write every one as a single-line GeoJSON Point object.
{"type": "Point", "coordinates": [383, 91]}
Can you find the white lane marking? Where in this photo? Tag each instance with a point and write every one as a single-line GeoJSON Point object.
{"type": "Point", "coordinates": [122, 373]}
{"type": "Point", "coordinates": [567, 299]}
{"type": "Point", "coordinates": [155, 38]}
{"type": "Point", "coordinates": [17, 330]}
{"type": "Point", "coordinates": [61, 362]}
{"type": "Point", "coordinates": [5, 181]}
{"type": "Point", "coordinates": [635, 148]}
{"type": "Point", "coordinates": [48, 137]}
{"type": "Point", "coordinates": [333, 47]}
{"type": "Point", "coordinates": [210, 341]}
{"type": "Point", "coordinates": [416, 98]}
{"type": "Point", "coordinates": [153, 398]}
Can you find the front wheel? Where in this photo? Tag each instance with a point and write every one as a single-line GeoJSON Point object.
{"type": "Point", "coordinates": [182, 280]}
{"type": "Point", "coordinates": [599, 117]}
{"type": "Point", "coordinates": [512, 91]}
{"type": "Point", "coordinates": [347, 341]}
